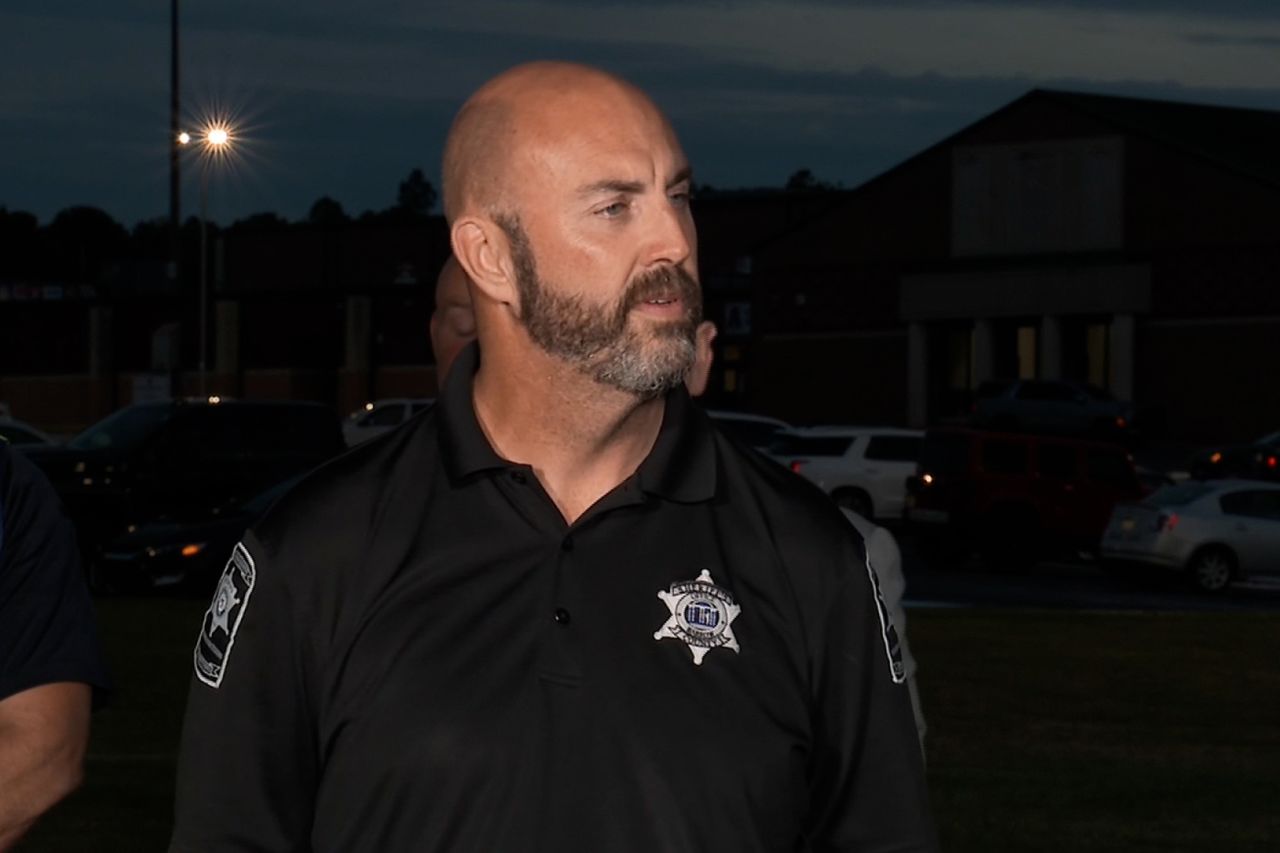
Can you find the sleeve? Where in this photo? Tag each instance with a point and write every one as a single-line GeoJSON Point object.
{"type": "Point", "coordinates": [867, 787]}
{"type": "Point", "coordinates": [47, 628]}
{"type": "Point", "coordinates": [886, 562]}
{"type": "Point", "coordinates": [248, 764]}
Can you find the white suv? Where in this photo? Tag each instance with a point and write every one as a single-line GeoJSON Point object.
{"type": "Point", "coordinates": [864, 469]}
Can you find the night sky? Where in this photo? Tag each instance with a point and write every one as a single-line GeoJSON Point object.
{"type": "Point", "coordinates": [343, 99]}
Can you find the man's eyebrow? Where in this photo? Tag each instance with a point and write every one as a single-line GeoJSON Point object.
{"type": "Point", "coordinates": [612, 185]}
{"type": "Point", "coordinates": [685, 174]}
{"type": "Point", "coordinates": [616, 185]}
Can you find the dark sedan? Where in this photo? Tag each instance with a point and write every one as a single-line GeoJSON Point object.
{"type": "Point", "coordinates": [1257, 461]}
{"type": "Point", "coordinates": [183, 554]}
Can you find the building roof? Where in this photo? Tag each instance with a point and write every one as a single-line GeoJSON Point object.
{"type": "Point", "coordinates": [1242, 140]}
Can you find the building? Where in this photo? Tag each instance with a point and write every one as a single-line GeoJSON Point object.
{"type": "Point", "coordinates": [1130, 243]}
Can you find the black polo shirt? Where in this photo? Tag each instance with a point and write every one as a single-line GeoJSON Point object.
{"type": "Point", "coordinates": [47, 627]}
{"type": "Point", "coordinates": [414, 652]}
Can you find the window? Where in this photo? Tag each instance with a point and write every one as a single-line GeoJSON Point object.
{"type": "Point", "coordinates": [753, 433]}
{"type": "Point", "coordinates": [893, 448]}
{"type": "Point", "coordinates": [811, 445]}
{"type": "Point", "coordinates": [944, 454]}
{"type": "Point", "coordinates": [1179, 494]}
{"type": "Point", "coordinates": [18, 435]}
{"type": "Point", "coordinates": [1056, 461]}
{"type": "Point", "coordinates": [126, 430]}
{"type": "Point", "coordinates": [1254, 504]}
{"type": "Point", "coordinates": [386, 414]}
{"type": "Point", "coordinates": [1111, 467]}
{"type": "Point", "coordinates": [1004, 457]}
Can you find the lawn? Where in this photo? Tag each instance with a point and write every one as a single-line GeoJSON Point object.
{"type": "Point", "coordinates": [1048, 731]}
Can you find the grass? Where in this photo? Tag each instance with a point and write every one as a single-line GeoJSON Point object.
{"type": "Point", "coordinates": [1048, 731]}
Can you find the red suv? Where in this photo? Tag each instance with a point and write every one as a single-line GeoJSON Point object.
{"type": "Point", "coordinates": [1015, 497]}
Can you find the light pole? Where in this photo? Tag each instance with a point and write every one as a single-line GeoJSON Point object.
{"type": "Point", "coordinates": [216, 143]}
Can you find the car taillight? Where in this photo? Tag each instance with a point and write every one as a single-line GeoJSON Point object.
{"type": "Point", "coordinates": [1121, 423]}
{"type": "Point", "coordinates": [796, 465]}
{"type": "Point", "coordinates": [1166, 522]}
{"type": "Point", "coordinates": [1272, 462]}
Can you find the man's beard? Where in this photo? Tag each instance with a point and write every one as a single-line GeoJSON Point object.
{"type": "Point", "coordinates": [598, 340]}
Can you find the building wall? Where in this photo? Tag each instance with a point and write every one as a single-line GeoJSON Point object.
{"type": "Point", "coordinates": [1215, 378]}
{"type": "Point", "coordinates": [837, 378]}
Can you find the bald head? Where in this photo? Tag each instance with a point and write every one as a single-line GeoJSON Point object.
{"type": "Point", "coordinates": [515, 110]}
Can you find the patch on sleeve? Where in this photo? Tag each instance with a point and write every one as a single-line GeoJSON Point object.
{"type": "Point", "coordinates": [222, 619]}
{"type": "Point", "coordinates": [892, 648]}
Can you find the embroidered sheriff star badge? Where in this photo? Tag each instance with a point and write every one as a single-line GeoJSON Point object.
{"type": "Point", "coordinates": [702, 616]}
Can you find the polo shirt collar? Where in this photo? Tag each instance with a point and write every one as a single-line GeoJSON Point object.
{"type": "Point", "coordinates": [680, 467]}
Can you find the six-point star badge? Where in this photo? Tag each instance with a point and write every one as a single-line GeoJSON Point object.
{"type": "Point", "coordinates": [702, 616]}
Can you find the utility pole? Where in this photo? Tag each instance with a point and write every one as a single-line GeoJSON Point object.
{"type": "Point", "coordinates": [175, 211]}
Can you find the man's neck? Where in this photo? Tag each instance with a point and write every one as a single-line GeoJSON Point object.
{"type": "Point", "coordinates": [581, 438]}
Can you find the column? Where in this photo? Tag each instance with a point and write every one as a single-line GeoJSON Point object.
{"type": "Point", "coordinates": [1122, 352]}
{"type": "Point", "coordinates": [1050, 347]}
{"type": "Point", "coordinates": [984, 359]}
{"type": "Point", "coordinates": [917, 375]}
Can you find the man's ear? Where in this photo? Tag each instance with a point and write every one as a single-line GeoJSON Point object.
{"type": "Point", "coordinates": [484, 253]}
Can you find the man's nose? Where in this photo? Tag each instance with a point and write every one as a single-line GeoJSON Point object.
{"type": "Point", "coordinates": [671, 234]}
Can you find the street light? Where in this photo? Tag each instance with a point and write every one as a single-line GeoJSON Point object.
{"type": "Point", "coordinates": [216, 143]}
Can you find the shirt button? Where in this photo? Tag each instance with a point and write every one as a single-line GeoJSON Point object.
{"type": "Point", "coordinates": [566, 544]}
{"type": "Point", "coordinates": [561, 616]}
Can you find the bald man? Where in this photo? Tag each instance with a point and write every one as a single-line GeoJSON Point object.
{"type": "Point", "coordinates": [560, 611]}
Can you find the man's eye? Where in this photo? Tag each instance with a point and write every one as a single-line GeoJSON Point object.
{"type": "Point", "coordinates": [614, 210]}
{"type": "Point", "coordinates": [680, 198]}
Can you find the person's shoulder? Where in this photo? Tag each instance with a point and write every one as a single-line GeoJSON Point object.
{"type": "Point", "coordinates": [336, 502]}
{"type": "Point", "coordinates": [793, 508]}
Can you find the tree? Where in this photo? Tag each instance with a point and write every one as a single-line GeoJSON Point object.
{"type": "Point", "coordinates": [327, 211]}
{"type": "Point", "coordinates": [417, 196]}
{"type": "Point", "coordinates": [803, 180]}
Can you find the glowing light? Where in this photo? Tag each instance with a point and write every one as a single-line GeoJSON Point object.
{"type": "Point", "coordinates": [191, 550]}
{"type": "Point", "coordinates": [218, 136]}
{"type": "Point", "coordinates": [184, 138]}
{"type": "Point", "coordinates": [1216, 457]}
{"type": "Point", "coordinates": [368, 407]}
{"type": "Point", "coordinates": [215, 400]}
{"type": "Point", "coordinates": [926, 478]}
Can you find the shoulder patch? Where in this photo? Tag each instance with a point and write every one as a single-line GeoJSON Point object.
{"type": "Point", "coordinates": [222, 619]}
{"type": "Point", "coordinates": [892, 648]}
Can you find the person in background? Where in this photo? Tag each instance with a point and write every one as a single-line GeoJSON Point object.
{"type": "Point", "coordinates": [50, 661]}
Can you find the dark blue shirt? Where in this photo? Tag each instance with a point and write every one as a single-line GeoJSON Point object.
{"type": "Point", "coordinates": [47, 630]}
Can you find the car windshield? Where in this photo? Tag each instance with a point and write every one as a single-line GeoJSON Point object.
{"type": "Point", "coordinates": [1179, 494]}
{"type": "Point", "coordinates": [124, 430]}
{"type": "Point", "coordinates": [1271, 439]}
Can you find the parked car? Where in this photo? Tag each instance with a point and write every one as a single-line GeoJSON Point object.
{"type": "Point", "coordinates": [863, 469]}
{"type": "Point", "coordinates": [1051, 405]}
{"type": "Point", "coordinates": [380, 416]}
{"type": "Point", "coordinates": [1015, 497]}
{"type": "Point", "coordinates": [22, 435]}
{"type": "Point", "coordinates": [186, 554]}
{"type": "Point", "coordinates": [756, 431]}
{"type": "Point", "coordinates": [182, 459]}
{"type": "Point", "coordinates": [1215, 532]}
{"type": "Point", "coordinates": [1259, 460]}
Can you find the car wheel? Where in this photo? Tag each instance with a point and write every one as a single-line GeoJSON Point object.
{"type": "Point", "coordinates": [1211, 569]}
{"type": "Point", "coordinates": [854, 500]}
